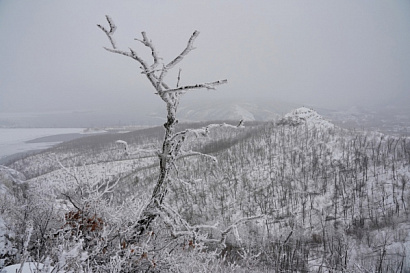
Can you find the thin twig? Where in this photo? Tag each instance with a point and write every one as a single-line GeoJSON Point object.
{"type": "Point", "coordinates": [209, 85]}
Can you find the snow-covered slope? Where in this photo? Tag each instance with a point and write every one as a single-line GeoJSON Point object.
{"type": "Point", "coordinates": [331, 197]}
{"type": "Point", "coordinates": [9, 177]}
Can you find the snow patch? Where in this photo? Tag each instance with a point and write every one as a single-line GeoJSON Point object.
{"type": "Point", "coordinates": [27, 268]}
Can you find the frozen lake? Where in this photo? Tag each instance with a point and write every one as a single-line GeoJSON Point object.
{"type": "Point", "coordinates": [15, 140]}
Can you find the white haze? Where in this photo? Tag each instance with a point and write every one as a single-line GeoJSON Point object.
{"type": "Point", "coordinates": [323, 53]}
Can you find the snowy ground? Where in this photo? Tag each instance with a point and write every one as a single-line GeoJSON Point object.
{"type": "Point", "coordinates": [27, 268]}
{"type": "Point", "coordinates": [332, 198]}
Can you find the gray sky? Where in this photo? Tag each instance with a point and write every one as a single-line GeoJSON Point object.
{"type": "Point", "coordinates": [324, 53]}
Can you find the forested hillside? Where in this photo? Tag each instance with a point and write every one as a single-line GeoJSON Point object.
{"type": "Point", "coordinates": [296, 195]}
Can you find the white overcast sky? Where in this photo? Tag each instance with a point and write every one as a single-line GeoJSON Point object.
{"type": "Point", "coordinates": [328, 53]}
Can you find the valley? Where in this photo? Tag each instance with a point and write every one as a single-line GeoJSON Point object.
{"type": "Point", "coordinates": [323, 198]}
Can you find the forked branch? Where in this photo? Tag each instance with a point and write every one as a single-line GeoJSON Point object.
{"type": "Point", "coordinates": [155, 74]}
{"type": "Point", "coordinates": [189, 47]}
{"type": "Point", "coordinates": [148, 43]}
{"type": "Point", "coordinates": [110, 32]}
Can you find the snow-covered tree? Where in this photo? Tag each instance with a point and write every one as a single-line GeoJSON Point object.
{"type": "Point", "coordinates": [172, 143]}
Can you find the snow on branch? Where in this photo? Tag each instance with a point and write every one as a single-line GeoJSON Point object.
{"type": "Point", "coordinates": [132, 54]}
{"type": "Point", "coordinates": [204, 131]}
{"type": "Point", "coordinates": [179, 77]}
{"type": "Point", "coordinates": [225, 125]}
{"type": "Point", "coordinates": [185, 52]}
{"type": "Point", "coordinates": [156, 75]}
{"type": "Point", "coordinates": [242, 220]}
{"type": "Point", "coordinates": [111, 31]}
{"type": "Point", "coordinates": [180, 227]}
{"type": "Point", "coordinates": [148, 43]}
{"type": "Point", "coordinates": [107, 188]}
{"type": "Point", "coordinates": [179, 58]}
{"type": "Point", "coordinates": [209, 85]}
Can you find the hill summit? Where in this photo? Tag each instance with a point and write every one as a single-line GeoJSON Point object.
{"type": "Point", "coordinates": [304, 115]}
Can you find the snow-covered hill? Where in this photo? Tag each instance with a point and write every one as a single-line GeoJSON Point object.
{"type": "Point", "coordinates": [332, 199]}
{"type": "Point", "coordinates": [307, 116]}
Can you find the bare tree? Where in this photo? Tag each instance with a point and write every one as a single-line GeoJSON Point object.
{"type": "Point", "coordinates": [172, 143]}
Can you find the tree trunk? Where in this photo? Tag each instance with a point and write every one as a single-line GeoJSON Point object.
{"type": "Point", "coordinates": [166, 159]}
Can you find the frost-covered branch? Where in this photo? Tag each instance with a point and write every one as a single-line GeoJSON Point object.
{"type": "Point", "coordinates": [209, 85]}
{"type": "Point", "coordinates": [107, 188]}
{"type": "Point", "coordinates": [179, 58]}
{"type": "Point", "coordinates": [132, 54]}
{"type": "Point", "coordinates": [180, 227]}
{"type": "Point", "coordinates": [179, 77]}
{"type": "Point", "coordinates": [27, 237]}
{"type": "Point", "coordinates": [189, 47]}
{"type": "Point", "coordinates": [157, 80]}
{"type": "Point", "coordinates": [148, 43]}
{"type": "Point", "coordinates": [204, 131]}
{"type": "Point", "coordinates": [71, 201]}
{"type": "Point", "coordinates": [239, 221]}
{"type": "Point", "coordinates": [109, 32]}
{"type": "Point", "coordinates": [184, 154]}
{"type": "Point", "coordinates": [68, 172]}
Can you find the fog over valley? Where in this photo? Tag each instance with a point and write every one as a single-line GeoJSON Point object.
{"type": "Point", "coordinates": [54, 71]}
